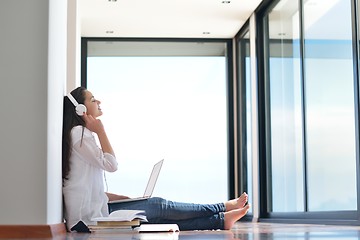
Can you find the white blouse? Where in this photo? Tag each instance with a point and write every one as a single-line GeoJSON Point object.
{"type": "Point", "coordinates": [83, 191]}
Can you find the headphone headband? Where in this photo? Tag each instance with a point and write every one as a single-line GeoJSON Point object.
{"type": "Point", "coordinates": [72, 99]}
{"type": "Point", "coordinates": [79, 108]}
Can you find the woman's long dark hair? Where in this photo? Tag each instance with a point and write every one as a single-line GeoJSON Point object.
{"type": "Point", "coordinates": [70, 120]}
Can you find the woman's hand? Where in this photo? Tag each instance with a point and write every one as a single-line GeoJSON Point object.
{"type": "Point", "coordinates": [113, 197]}
{"type": "Point", "coordinates": [96, 126]}
{"type": "Point", "coordinates": [93, 124]}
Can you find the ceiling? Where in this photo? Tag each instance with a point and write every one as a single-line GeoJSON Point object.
{"type": "Point", "coordinates": [164, 18]}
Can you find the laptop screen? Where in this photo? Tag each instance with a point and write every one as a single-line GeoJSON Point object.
{"type": "Point", "coordinates": [153, 178]}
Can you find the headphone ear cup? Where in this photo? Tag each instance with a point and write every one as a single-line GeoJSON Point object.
{"type": "Point", "coordinates": [80, 109]}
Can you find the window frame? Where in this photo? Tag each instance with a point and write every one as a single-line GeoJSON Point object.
{"type": "Point", "coordinates": [229, 87]}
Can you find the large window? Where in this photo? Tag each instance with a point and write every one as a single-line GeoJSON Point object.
{"type": "Point", "coordinates": [330, 118]}
{"type": "Point", "coordinates": [165, 100]}
{"type": "Point", "coordinates": [287, 165]}
{"type": "Point", "coordinates": [310, 115]}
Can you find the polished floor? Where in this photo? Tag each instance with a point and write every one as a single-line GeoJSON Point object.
{"type": "Point", "coordinates": [241, 231]}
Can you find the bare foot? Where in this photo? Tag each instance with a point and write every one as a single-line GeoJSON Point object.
{"type": "Point", "coordinates": [234, 215]}
{"type": "Point", "coordinates": [237, 202]}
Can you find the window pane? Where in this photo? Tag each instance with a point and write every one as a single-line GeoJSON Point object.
{"type": "Point", "coordinates": [245, 138]}
{"type": "Point", "coordinates": [165, 107]}
{"type": "Point", "coordinates": [248, 119]}
{"type": "Point", "coordinates": [330, 119]}
{"type": "Point", "coordinates": [287, 163]}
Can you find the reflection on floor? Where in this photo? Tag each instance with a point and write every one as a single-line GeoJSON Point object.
{"type": "Point", "coordinates": [241, 231]}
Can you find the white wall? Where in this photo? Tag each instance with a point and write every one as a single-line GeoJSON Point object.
{"type": "Point", "coordinates": [32, 75]}
{"type": "Point", "coordinates": [74, 46]}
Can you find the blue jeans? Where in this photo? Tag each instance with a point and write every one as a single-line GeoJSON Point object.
{"type": "Point", "coordinates": [187, 216]}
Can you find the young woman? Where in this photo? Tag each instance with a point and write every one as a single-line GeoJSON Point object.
{"type": "Point", "coordinates": [84, 163]}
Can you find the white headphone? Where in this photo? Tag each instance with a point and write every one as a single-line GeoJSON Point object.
{"type": "Point", "coordinates": [79, 108]}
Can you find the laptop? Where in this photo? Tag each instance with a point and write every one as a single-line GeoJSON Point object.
{"type": "Point", "coordinates": [149, 187]}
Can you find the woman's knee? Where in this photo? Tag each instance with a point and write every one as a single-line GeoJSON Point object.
{"type": "Point", "coordinates": [158, 200]}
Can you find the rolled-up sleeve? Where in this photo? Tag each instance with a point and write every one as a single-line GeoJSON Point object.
{"type": "Point", "coordinates": [88, 150]}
